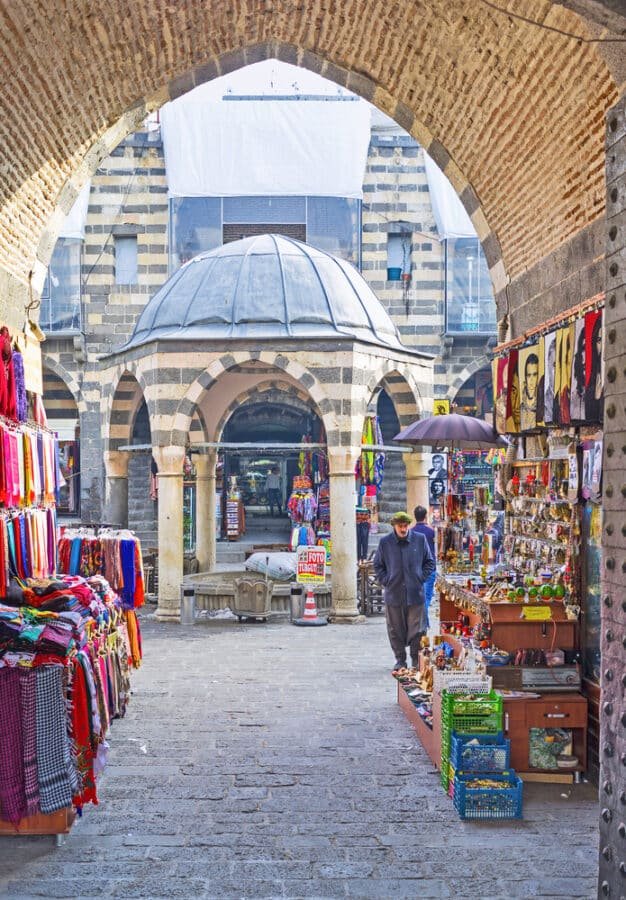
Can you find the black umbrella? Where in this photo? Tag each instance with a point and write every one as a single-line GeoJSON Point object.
{"type": "Point", "coordinates": [454, 431]}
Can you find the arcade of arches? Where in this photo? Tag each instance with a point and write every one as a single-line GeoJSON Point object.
{"type": "Point", "coordinates": [526, 116]}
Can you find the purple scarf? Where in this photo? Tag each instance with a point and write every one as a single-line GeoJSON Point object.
{"type": "Point", "coordinates": [29, 739]}
{"type": "Point", "coordinates": [12, 797]}
{"type": "Point", "coordinates": [21, 404]}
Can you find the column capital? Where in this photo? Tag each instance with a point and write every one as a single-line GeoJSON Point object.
{"type": "Point", "coordinates": [205, 463]}
{"type": "Point", "coordinates": [116, 463]}
{"type": "Point", "coordinates": [416, 464]}
{"type": "Point", "coordinates": [342, 460]}
{"type": "Point", "coordinates": [169, 459]}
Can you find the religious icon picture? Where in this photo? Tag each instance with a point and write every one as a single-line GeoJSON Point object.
{"type": "Point", "coordinates": [528, 372]}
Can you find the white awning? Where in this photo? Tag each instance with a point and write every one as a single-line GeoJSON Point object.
{"type": "Point", "coordinates": [74, 226]}
{"type": "Point", "coordinates": [290, 147]}
{"type": "Point", "coordinates": [450, 215]}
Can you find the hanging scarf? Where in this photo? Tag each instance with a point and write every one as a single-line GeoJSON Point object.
{"type": "Point", "coordinates": [21, 403]}
{"type": "Point", "coordinates": [29, 739]}
{"type": "Point", "coordinates": [53, 750]}
{"type": "Point", "coordinates": [12, 796]}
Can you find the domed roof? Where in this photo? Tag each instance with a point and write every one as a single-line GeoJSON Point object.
{"type": "Point", "coordinates": [261, 288]}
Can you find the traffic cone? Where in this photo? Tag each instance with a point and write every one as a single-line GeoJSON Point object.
{"type": "Point", "coordinates": [310, 616]}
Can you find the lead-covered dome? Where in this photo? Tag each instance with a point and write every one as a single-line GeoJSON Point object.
{"type": "Point", "coordinates": [262, 288]}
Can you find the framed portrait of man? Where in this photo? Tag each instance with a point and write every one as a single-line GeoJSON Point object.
{"type": "Point", "coordinates": [437, 477]}
{"type": "Point", "coordinates": [549, 378]}
{"type": "Point", "coordinates": [528, 372]}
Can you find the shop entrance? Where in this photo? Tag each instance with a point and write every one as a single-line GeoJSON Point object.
{"type": "Point", "coordinates": [260, 473]}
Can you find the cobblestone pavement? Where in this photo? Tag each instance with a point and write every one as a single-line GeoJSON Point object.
{"type": "Point", "coordinates": [272, 761]}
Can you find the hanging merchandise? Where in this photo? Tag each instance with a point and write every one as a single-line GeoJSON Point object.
{"type": "Point", "coordinates": [363, 519]}
{"type": "Point", "coordinates": [114, 554]}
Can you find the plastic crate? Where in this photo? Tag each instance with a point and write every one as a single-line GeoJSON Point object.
{"type": "Point", "coordinates": [492, 753]}
{"type": "Point", "coordinates": [470, 705]}
{"type": "Point", "coordinates": [488, 803]}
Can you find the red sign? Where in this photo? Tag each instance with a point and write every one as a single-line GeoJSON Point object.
{"type": "Point", "coordinates": [311, 565]}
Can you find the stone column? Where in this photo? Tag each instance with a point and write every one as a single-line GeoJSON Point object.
{"type": "Point", "coordinates": [341, 462]}
{"type": "Point", "coordinates": [416, 465]}
{"type": "Point", "coordinates": [170, 463]}
{"type": "Point", "coordinates": [612, 867]}
{"type": "Point", "coordinates": [205, 510]}
{"type": "Point", "coordinates": [116, 488]}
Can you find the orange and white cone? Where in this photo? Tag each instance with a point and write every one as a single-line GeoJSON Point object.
{"type": "Point", "coordinates": [310, 616]}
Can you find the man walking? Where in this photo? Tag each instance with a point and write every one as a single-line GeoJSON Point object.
{"type": "Point", "coordinates": [403, 562]}
{"type": "Point", "coordinates": [273, 487]}
{"type": "Point", "coordinates": [422, 527]}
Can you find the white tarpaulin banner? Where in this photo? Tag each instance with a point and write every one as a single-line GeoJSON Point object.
{"type": "Point", "coordinates": [450, 214]}
{"type": "Point", "coordinates": [267, 147]}
{"type": "Point", "coordinates": [74, 225]}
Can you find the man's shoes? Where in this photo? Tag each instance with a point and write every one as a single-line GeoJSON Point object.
{"type": "Point", "coordinates": [399, 664]}
{"type": "Point", "coordinates": [415, 665]}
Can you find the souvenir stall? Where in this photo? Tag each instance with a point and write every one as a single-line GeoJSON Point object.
{"type": "Point", "coordinates": [233, 516]}
{"type": "Point", "coordinates": [526, 613]}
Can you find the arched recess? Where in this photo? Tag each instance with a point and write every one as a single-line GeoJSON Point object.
{"type": "Point", "coordinates": [402, 389]}
{"type": "Point", "coordinates": [215, 389]}
{"type": "Point", "coordinates": [267, 392]}
{"type": "Point", "coordinates": [124, 404]}
{"type": "Point", "coordinates": [68, 381]}
{"type": "Point", "coordinates": [475, 396]}
{"type": "Point", "coordinates": [481, 362]}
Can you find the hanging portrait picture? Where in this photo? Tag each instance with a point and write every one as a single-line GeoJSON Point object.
{"type": "Point", "coordinates": [594, 375]}
{"type": "Point", "coordinates": [549, 377]}
{"type": "Point", "coordinates": [540, 380]}
{"type": "Point", "coordinates": [513, 399]}
{"type": "Point", "coordinates": [528, 374]}
{"type": "Point", "coordinates": [567, 352]}
{"type": "Point", "coordinates": [500, 369]}
{"type": "Point", "coordinates": [437, 478]}
{"type": "Point", "coordinates": [578, 381]}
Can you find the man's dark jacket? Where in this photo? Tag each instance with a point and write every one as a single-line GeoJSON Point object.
{"type": "Point", "coordinates": [402, 567]}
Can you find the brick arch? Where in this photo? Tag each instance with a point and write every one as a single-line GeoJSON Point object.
{"type": "Point", "coordinates": [481, 362]}
{"type": "Point", "coordinates": [274, 362]}
{"type": "Point", "coordinates": [260, 392]}
{"type": "Point", "coordinates": [121, 405]}
{"type": "Point", "coordinates": [402, 389]}
{"type": "Point", "coordinates": [531, 169]}
{"type": "Point", "coordinates": [68, 380]}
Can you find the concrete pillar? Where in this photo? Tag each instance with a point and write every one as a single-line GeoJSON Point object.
{"type": "Point", "coordinates": [341, 463]}
{"type": "Point", "coordinates": [170, 464]}
{"type": "Point", "coordinates": [205, 509]}
{"type": "Point", "coordinates": [116, 488]}
{"type": "Point", "coordinates": [416, 465]}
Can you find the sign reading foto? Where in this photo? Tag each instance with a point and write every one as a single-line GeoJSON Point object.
{"type": "Point", "coordinates": [311, 565]}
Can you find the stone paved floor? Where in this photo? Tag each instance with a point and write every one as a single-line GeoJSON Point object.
{"type": "Point", "coordinates": [272, 761]}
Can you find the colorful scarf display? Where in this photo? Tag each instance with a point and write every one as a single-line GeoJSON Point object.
{"type": "Point", "coordinates": [114, 554]}
{"type": "Point", "coordinates": [66, 648]}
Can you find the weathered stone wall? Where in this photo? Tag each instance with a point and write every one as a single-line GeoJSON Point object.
{"type": "Point", "coordinates": [612, 877]}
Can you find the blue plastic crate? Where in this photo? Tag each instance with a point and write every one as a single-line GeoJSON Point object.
{"type": "Point", "coordinates": [492, 753]}
{"type": "Point", "coordinates": [488, 803]}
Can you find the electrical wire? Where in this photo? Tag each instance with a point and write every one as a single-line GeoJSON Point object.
{"type": "Point", "coordinates": [553, 28]}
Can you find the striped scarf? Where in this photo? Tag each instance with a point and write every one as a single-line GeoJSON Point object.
{"type": "Point", "coordinates": [29, 739]}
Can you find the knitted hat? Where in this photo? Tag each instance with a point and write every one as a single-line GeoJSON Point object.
{"type": "Point", "coordinates": [401, 518]}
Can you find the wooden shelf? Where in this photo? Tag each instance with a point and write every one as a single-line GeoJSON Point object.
{"type": "Point", "coordinates": [59, 822]}
{"type": "Point", "coordinates": [427, 737]}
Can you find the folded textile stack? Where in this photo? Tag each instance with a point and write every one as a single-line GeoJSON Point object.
{"type": "Point", "coordinates": [66, 649]}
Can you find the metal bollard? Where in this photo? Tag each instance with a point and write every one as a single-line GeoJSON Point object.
{"type": "Point", "coordinates": [295, 602]}
{"type": "Point", "coordinates": [187, 604]}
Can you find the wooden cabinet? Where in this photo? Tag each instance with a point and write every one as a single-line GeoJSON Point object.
{"type": "Point", "coordinates": [568, 711]}
{"type": "Point", "coordinates": [509, 631]}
